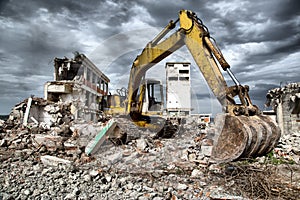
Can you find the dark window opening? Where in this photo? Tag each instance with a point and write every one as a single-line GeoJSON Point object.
{"type": "Point", "coordinates": [184, 78]}
{"type": "Point", "coordinates": [183, 71]}
{"type": "Point", "coordinates": [173, 78]}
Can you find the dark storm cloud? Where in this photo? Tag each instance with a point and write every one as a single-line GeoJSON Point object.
{"type": "Point", "coordinates": [259, 92]}
{"type": "Point", "coordinates": [260, 39]}
{"type": "Point", "coordinates": [286, 10]}
{"type": "Point", "coordinates": [242, 20]}
{"type": "Point", "coordinates": [23, 9]}
{"type": "Point", "coordinates": [164, 11]}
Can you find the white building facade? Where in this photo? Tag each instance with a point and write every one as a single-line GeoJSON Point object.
{"type": "Point", "coordinates": [178, 89]}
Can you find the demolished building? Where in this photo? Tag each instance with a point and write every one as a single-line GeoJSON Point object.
{"type": "Point", "coordinates": [67, 118]}
{"type": "Point", "coordinates": [79, 82]}
{"type": "Point", "coordinates": [285, 101]}
{"type": "Point", "coordinates": [73, 96]}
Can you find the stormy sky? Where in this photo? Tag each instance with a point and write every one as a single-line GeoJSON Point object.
{"type": "Point", "coordinates": [260, 39]}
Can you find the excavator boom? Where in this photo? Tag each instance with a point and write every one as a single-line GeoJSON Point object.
{"type": "Point", "coordinates": [193, 34]}
{"type": "Point", "coordinates": [243, 131]}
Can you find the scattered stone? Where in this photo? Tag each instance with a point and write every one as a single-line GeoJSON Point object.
{"type": "Point", "coordinates": [49, 162]}
{"type": "Point", "coordinates": [3, 143]}
{"type": "Point", "coordinates": [54, 161]}
{"type": "Point", "coordinates": [93, 173]}
{"type": "Point", "coordinates": [181, 186]}
{"type": "Point", "coordinates": [206, 150]}
{"type": "Point", "coordinates": [141, 144]}
{"type": "Point", "coordinates": [108, 177]}
{"type": "Point", "coordinates": [218, 193]}
{"type": "Point", "coordinates": [52, 143]}
{"type": "Point", "coordinates": [87, 177]}
{"type": "Point", "coordinates": [196, 173]}
{"type": "Point", "coordinates": [70, 196]}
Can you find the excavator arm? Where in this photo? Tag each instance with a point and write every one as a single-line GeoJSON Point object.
{"type": "Point", "coordinates": [242, 131]}
{"type": "Point", "coordinates": [196, 37]}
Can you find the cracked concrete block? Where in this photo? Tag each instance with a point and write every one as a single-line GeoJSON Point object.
{"type": "Point", "coordinates": [50, 141]}
{"type": "Point", "coordinates": [93, 146]}
{"type": "Point", "coordinates": [141, 144]}
{"type": "Point", "coordinates": [206, 150]}
{"type": "Point", "coordinates": [54, 161]}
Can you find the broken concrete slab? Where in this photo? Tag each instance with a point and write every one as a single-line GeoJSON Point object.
{"type": "Point", "coordinates": [51, 142]}
{"type": "Point", "coordinates": [52, 109]}
{"type": "Point", "coordinates": [94, 145]}
{"type": "Point", "coordinates": [3, 143]}
{"type": "Point", "coordinates": [54, 161]}
{"type": "Point", "coordinates": [83, 133]}
{"type": "Point", "coordinates": [141, 144]}
{"type": "Point", "coordinates": [196, 173]}
{"type": "Point", "coordinates": [206, 150]}
{"type": "Point", "coordinates": [1, 122]}
{"type": "Point", "coordinates": [25, 120]}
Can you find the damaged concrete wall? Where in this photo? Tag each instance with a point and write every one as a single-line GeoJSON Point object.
{"type": "Point", "coordinates": [43, 113]}
{"type": "Point", "coordinates": [286, 103]}
{"type": "Point", "coordinates": [79, 82]}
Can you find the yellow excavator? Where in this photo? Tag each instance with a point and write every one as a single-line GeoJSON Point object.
{"type": "Point", "coordinates": [242, 130]}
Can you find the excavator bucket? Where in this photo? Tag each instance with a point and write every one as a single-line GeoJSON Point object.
{"type": "Point", "coordinates": [243, 137]}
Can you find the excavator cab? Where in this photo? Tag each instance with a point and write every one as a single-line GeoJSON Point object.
{"type": "Point", "coordinates": [149, 97]}
{"type": "Point", "coordinates": [153, 102]}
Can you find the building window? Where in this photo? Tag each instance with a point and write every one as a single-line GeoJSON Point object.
{"type": "Point", "coordinates": [172, 78]}
{"type": "Point", "coordinates": [184, 78]}
{"type": "Point", "coordinates": [181, 71]}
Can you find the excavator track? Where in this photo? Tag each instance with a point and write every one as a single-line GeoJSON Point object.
{"type": "Point", "coordinates": [243, 137]}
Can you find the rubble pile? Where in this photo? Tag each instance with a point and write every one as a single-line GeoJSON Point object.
{"type": "Point", "coordinates": [275, 95]}
{"type": "Point", "coordinates": [42, 161]}
{"type": "Point", "coordinates": [288, 147]}
{"type": "Point", "coordinates": [35, 180]}
{"type": "Point", "coordinates": [44, 115]}
{"type": "Point", "coordinates": [51, 130]}
{"type": "Point", "coordinates": [285, 101]}
{"type": "Point", "coordinates": [145, 154]}
{"type": "Point", "coordinates": [143, 168]}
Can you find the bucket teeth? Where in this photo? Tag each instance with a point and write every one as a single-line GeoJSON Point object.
{"type": "Point", "coordinates": [243, 137]}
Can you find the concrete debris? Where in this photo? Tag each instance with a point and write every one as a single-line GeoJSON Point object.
{"type": "Point", "coordinates": [56, 156]}
{"type": "Point", "coordinates": [94, 173]}
{"type": "Point", "coordinates": [141, 144]}
{"type": "Point", "coordinates": [218, 193]}
{"type": "Point", "coordinates": [48, 127]}
{"type": "Point", "coordinates": [285, 101]}
{"type": "Point", "coordinates": [181, 186]}
{"type": "Point", "coordinates": [41, 114]}
{"type": "Point", "coordinates": [206, 150]}
{"type": "Point", "coordinates": [79, 82]}
{"type": "Point", "coordinates": [139, 168]}
{"type": "Point", "coordinates": [25, 120]}
{"type": "Point", "coordinates": [94, 145]}
{"type": "Point", "coordinates": [51, 142]}
{"type": "Point", "coordinates": [54, 161]}
{"type": "Point", "coordinates": [196, 173]}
